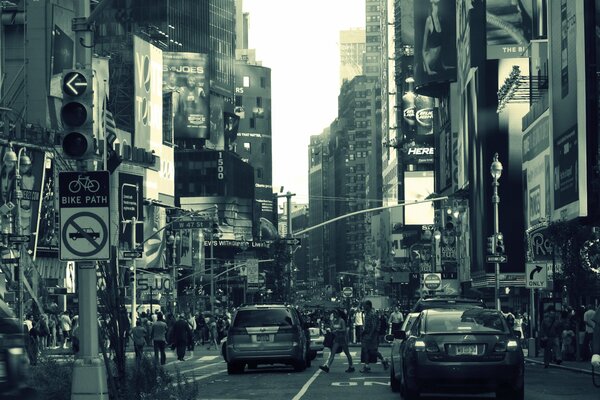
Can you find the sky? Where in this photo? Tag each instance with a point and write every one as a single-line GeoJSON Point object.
{"type": "Point", "coordinates": [299, 41]}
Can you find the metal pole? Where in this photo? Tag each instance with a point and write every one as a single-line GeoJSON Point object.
{"type": "Point", "coordinates": [495, 201]}
{"type": "Point", "coordinates": [212, 274]}
{"type": "Point", "coordinates": [174, 283]}
{"type": "Point", "coordinates": [19, 196]}
{"type": "Point", "coordinates": [133, 223]}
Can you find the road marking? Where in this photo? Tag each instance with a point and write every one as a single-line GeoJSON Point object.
{"type": "Point", "coordinates": [199, 378]}
{"type": "Point", "coordinates": [371, 377]}
{"type": "Point", "coordinates": [202, 367]}
{"type": "Point", "coordinates": [208, 358]}
{"type": "Point", "coordinates": [302, 391]}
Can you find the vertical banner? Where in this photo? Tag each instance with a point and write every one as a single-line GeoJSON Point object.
{"type": "Point", "coordinates": [48, 228]}
{"type": "Point", "coordinates": [217, 125]}
{"type": "Point", "coordinates": [186, 76]}
{"type": "Point", "coordinates": [435, 42]}
{"type": "Point", "coordinates": [154, 246]}
{"type": "Point", "coordinates": [148, 73]}
{"type": "Point", "coordinates": [536, 166]}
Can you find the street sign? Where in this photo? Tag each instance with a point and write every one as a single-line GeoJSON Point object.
{"type": "Point", "coordinates": [132, 254]}
{"type": "Point", "coordinates": [536, 275]}
{"type": "Point", "coordinates": [347, 291]}
{"type": "Point", "coordinates": [292, 241]}
{"type": "Point", "coordinates": [74, 83]}
{"type": "Point", "coordinates": [432, 281]}
{"type": "Point", "coordinates": [496, 258]}
{"type": "Point", "coordinates": [84, 215]}
{"type": "Point", "coordinates": [18, 238]}
{"type": "Point", "coordinates": [192, 223]}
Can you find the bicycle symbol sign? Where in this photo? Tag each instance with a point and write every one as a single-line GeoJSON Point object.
{"type": "Point", "coordinates": [84, 199]}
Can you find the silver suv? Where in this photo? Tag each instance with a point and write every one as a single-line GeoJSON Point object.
{"type": "Point", "coordinates": [267, 334]}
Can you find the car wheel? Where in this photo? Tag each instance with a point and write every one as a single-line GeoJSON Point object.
{"type": "Point", "coordinates": [309, 359]}
{"type": "Point", "coordinates": [234, 368]}
{"type": "Point", "coordinates": [300, 365]}
{"type": "Point", "coordinates": [394, 382]}
{"type": "Point", "coordinates": [518, 394]}
{"type": "Point", "coordinates": [410, 394]}
{"type": "Point", "coordinates": [313, 355]}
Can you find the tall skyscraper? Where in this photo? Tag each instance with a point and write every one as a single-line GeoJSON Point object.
{"type": "Point", "coordinates": [352, 50]}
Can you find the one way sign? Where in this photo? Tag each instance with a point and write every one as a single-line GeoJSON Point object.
{"type": "Point", "coordinates": [536, 275]}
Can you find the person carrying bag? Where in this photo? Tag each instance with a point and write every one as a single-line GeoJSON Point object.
{"type": "Point", "coordinates": [338, 340]}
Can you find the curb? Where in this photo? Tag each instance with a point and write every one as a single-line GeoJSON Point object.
{"type": "Point", "coordinates": [581, 370]}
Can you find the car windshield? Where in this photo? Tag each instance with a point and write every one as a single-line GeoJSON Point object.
{"type": "Point", "coordinates": [475, 320]}
{"type": "Point", "coordinates": [272, 317]}
{"type": "Point", "coordinates": [461, 304]}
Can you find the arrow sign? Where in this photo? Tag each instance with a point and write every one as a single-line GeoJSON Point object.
{"type": "Point", "coordinates": [536, 269]}
{"type": "Point", "coordinates": [496, 259]}
{"type": "Point", "coordinates": [292, 241]}
{"type": "Point", "coordinates": [75, 83]}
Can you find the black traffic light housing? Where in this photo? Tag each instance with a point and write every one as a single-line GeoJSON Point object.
{"type": "Point", "coordinates": [500, 247]}
{"type": "Point", "coordinates": [77, 113]}
{"type": "Point", "coordinates": [491, 244]}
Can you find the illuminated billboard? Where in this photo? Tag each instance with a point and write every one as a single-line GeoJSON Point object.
{"type": "Point", "coordinates": [435, 43]}
{"type": "Point", "coordinates": [508, 25]}
{"type": "Point", "coordinates": [186, 76]}
{"type": "Point", "coordinates": [417, 186]}
{"type": "Point", "coordinates": [537, 171]}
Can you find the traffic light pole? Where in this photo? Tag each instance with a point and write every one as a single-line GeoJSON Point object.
{"type": "Point", "coordinates": [89, 373]}
{"type": "Point", "coordinates": [496, 201]}
{"type": "Point", "coordinates": [133, 222]}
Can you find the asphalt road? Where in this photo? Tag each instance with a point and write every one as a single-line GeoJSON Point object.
{"type": "Point", "coordinates": [273, 383]}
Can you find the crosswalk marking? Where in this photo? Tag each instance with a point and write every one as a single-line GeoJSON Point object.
{"type": "Point", "coordinates": [208, 358]}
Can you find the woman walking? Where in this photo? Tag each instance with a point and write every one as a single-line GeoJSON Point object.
{"type": "Point", "coordinates": [338, 327]}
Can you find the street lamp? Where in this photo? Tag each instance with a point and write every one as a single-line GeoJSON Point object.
{"type": "Point", "coordinates": [496, 171]}
{"type": "Point", "coordinates": [173, 241]}
{"type": "Point", "coordinates": [10, 159]}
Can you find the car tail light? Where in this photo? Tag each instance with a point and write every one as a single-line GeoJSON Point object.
{"type": "Point", "coordinates": [510, 345]}
{"type": "Point", "coordinates": [429, 347]}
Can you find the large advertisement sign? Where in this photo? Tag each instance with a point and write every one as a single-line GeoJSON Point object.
{"type": "Point", "coordinates": [509, 26]}
{"type": "Point", "coordinates": [417, 186]}
{"type": "Point", "coordinates": [537, 171]}
{"type": "Point", "coordinates": [186, 75]}
{"type": "Point", "coordinates": [217, 125]}
{"type": "Point", "coordinates": [48, 227]}
{"type": "Point", "coordinates": [435, 42]}
{"type": "Point", "coordinates": [32, 177]}
{"type": "Point", "coordinates": [567, 90]}
{"type": "Point", "coordinates": [154, 245]}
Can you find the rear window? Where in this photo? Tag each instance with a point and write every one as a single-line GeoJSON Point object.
{"type": "Point", "coordinates": [462, 304]}
{"type": "Point", "coordinates": [271, 317]}
{"type": "Point", "coordinates": [474, 320]}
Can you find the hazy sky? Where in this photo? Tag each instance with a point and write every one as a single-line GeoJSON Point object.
{"type": "Point", "coordinates": [299, 41]}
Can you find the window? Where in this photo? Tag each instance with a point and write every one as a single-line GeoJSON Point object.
{"type": "Point", "coordinates": [252, 122]}
{"type": "Point", "coordinates": [246, 81]}
{"type": "Point", "coordinates": [247, 147]}
{"type": "Point", "coordinates": [259, 102]}
{"type": "Point", "coordinates": [263, 82]}
{"type": "Point", "coordinates": [263, 148]}
{"type": "Point", "coordinates": [259, 173]}
{"type": "Point", "coordinates": [238, 101]}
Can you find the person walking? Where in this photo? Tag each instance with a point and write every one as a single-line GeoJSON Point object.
{"type": "Point", "coordinates": [159, 338]}
{"type": "Point", "coordinates": [370, 339]}
{"type": "Point", "coordinates": [396, 320]}
{"type": "Point", "coordinates": [550, 330]}
{"type": "Point", "coordinates": [358, 324]}
{"type": "Point", "coordinates": [339, 329]}
{"type": "Point", "coordinates": [212, 333]}
{"type": "Point", "coordinates": [65, 326]}
{"type": "Point", "coordinates": [181, 336]}
{"type": "Point", "coordinates": [138, 335]}
{"type": "Point", "coordinates": [588, 320]}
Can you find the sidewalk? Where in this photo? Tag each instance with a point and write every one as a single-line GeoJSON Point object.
{"type": "Point", "coordinates": [575, 366]}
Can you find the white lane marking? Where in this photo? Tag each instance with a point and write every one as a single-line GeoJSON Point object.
{"type": "Point", "coordinates": [202, 367]}
{"type": "Point", "coordinates": [198, 378]}
{"type": "Point", "coordinates": [208, 358]}
{"type": "Point", "coordinates": [371, 377]}
{"type": "Point", "coordinates": [302, 391]}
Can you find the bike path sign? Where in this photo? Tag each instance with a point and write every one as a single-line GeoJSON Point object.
{"type": "Point", "coordinates": [84, 199]}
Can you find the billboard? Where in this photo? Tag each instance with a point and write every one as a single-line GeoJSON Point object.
{"type": "Point", "coordinates": [417, 186]}
{"type": "Point", "coordinates": [537, 171]}
{"type": "Point", "coordinates": [186, 75]}
{"type": "Point", "coordinates": [48, 228]}
{"type": "Point", "coordinates": [154, 245]}
{"type": "Point", "coordinates": [32, 178]}
{"type": "Point", "coordinates": [216, 124]}
{"type": "Point", "coordinates": [435, 43]}
{"type": "Point", "coordinates": [508, 26]}
{"type": "Point", "coordinates": [567, 65]}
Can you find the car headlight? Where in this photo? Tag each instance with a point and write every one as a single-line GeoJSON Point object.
{"type": "Point", "coordinates": [15, 351]}
{"type": "Point", "coordinates": [512, 345]}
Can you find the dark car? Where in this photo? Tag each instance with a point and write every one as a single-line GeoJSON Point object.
{"type": "Point", "coordinates": [13, 359]}
{"type": "Point", "coordinates": [446, 302]}
{"type": "Point", "coordinates": [267, 334]}
{"type": "Point", "coordinates": [80, 235]}
{"type": "Point", "coordinates": [395, 351]}
{"type": "Point", "coordinates": [461, 351]}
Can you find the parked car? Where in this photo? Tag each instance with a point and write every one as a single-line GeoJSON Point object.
{"type": "Point", "coordinates": [458, 350]}
{"type": "Point", "coordinates": [13, 358]}
{"type": "Point", "coordinates": [446, 302]}
{"type": "Point", "coordinates": [316, 341]}
{"type": "Point", "coordinates": [267, 334]}
{"type": "Point", "coordinates": [395, 351]}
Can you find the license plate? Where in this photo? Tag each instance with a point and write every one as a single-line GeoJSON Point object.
{"type": "Point", "coordinates": [262, 338]}
{"type": "Point", "coordinates": [466, 350]}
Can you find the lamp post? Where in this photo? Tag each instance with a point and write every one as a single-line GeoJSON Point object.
{"type": "Point", "coordinates": [173, 241]}
{"type": "Point", "coordinates": [10, 160]}
{"type": "Point", "coordinates": [437, 236]}
{"type": "Point", "coordinates": [496, 171]}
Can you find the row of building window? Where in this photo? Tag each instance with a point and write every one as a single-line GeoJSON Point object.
{"type": "Point", "coordinates": [248, 147]}
{"type": "Point", "coordinates": [246, 82]}
{"type": "Point", "coordinates": [239, 101]}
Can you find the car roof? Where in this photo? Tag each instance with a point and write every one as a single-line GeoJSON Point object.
{"type": "Point", "coordinates": [263, 306]}
{"type": "Point", "coordinates": [446, 310]}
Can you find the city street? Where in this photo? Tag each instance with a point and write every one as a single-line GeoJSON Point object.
{"type": "Point", "coordinates": [208, 369]}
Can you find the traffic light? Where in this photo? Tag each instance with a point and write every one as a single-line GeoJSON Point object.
{"type": "Point", "coordinates": [491, 244]}
{"type": "Point", "coordinates": [131, 276]}
{"type": "Point", "coordinates": [77, 113]}
{"type": "Point", "coordinates": [500, 248]}
{"type": "Point", "coordinates": [449, 223]}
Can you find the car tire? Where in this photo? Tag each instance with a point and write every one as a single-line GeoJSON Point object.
{"type": "Point", "coordinates": [518, 394]}
{"type": "Point", "coordinates": [313, 355]}
{"type": "Point", "coordinates": [300, 365]}
{"type": "Point", "coordinates": [309, 359]}
{"type": "Point", "coordinates": [410, 394]}
{"type": "Point", "coordinates": [395, 384]}
{"type": "Point", "coordinates": [234, 368]}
